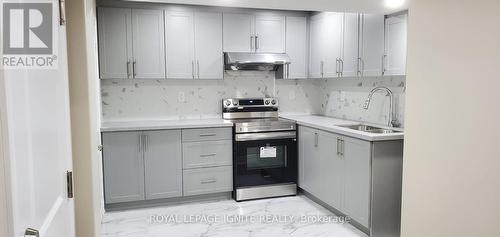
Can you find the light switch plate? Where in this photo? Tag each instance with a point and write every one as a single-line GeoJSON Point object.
{"type": "Point", "coordinates": [181, 97]}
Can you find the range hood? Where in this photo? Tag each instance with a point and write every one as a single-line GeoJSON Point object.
{"type": "Point", "coordinates": [277, 62]}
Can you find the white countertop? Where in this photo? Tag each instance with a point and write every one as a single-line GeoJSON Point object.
{"type": "Point", "coordinates": [334, 125]}
{"type": "Point", "coordinates": [163, 124]}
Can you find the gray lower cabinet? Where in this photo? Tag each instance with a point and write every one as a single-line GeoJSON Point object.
{"type": "Point", "coordinates": [123, 167]}
{"type": "Point", "coordinates": [142, 165]}
{"type": "Point", "coordinates": [336, 170]}
{"type": "Point", "coordinates": [208, 180]}
{"type": "Point", "coordinates": [163, 164]}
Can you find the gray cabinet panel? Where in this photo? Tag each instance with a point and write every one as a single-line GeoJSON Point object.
{"type": "Point", "coordinates": [310, 160]}
{"type": "Point", "coordinates": [206, 134]}
{"type": "Point", "coordinates": [357, 156]}
{"type": "Point", "coordinates": [207, 154]}
{"type": "Point", "coordinates": [123, 167]}
{"type": "Point", "coordinates": [332, 169]}
{"type": "Point", "coordinates": [163, 164]}
{"type": "Point", "coordinates": [208, 180]}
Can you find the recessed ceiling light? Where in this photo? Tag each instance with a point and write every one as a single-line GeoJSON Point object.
{"type": "Point", "coordinates": [394, 3]}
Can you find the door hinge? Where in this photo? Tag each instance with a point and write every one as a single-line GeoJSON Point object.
{"type": "Point", "coordinates": [69, 183]}
{"type": "Point", "coordinates": [99, 148]}
{"type": "Point", "coordinates": [62, 12]}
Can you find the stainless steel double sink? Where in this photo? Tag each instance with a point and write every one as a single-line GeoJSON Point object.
{"type": "Point", "coordinates": [369, 129]}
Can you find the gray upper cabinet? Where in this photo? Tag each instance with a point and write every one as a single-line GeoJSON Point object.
{"type": "Point", "coordinates": [296, 46]}
{"type": "Point", "coordinates": [208, 45]}
{"type": "Point", "coordinates": [123, 167]}
{"type": "Point", "coordinates": [180, 44]}
{"type": "Point", "coordinates": [162, 164]}
{"type": "Point", "coordinates": [356, 157]}
{"type": "Point", "coordinates": [246, 32]}
{"type": "Point", "coordinates": [115, 42]}
{"type": "Point", "coordinates": [395, 45]}
{"type": "Point", "coordinates": [131, 43]}
{"type": "Point", "coordinates": [371, 44]}
{"type": "Point", "coordinates": [148, 44]}
{"type": "Point", "coordinates": [350, 50]}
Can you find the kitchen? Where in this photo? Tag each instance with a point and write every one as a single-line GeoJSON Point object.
{"type": "Point", "coordinates": [249, 118]}
{"type": "Point", "coordinates": [206, 103]}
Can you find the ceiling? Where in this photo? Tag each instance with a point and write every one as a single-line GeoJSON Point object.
{"type": "Point", "coordinates": [366, 6]}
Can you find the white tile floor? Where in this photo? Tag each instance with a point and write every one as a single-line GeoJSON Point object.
{"type": "Point", "coordinates": [276, 217]}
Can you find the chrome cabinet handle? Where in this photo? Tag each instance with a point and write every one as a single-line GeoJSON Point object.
{"type": "Point", "coordinates": [198, 68]}
{"type": "Point", "coordinates": [342, 144]}
{"type": "Point", "coordinates": [140, 143]}
{"type": "Point", "coordinates": [192, 68]}
{"type": "Point", "coordinates": [134, 72]}
{"type": "Point", "coordinates": [341, 67]}
{"type": "Point", "coordinates": [128, 68]}
{"type": "Point", "coordinates": [146, 142]}
{"type": "Point", "coordinates": [338, 146]}
{"type": "Point", "coordinates": [251, 43]}
{"type": "Point", "coordinates": [337, 66]}
{"type": "Point", "coordinates": [256, 43]}
{"type": "Point", "coordinates": [360, 61]}
{"type": "Point", "coordinates": [322, 66]}
{"type": "Point", "coordinates": [208, 181]}
{"type": "Point", "coordinates": [315, 139]}
{"type": "Point", "coordinates": [31, 232]}
{"type": "Point", "coordinates": [208, 155]}
{"type": "Point", "coordinates": [207, 134]}
{"type": "Point", "coordinates": [383, 64]}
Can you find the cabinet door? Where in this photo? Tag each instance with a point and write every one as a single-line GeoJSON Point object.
{"type": "Point", "coordinates": [371, 44]}
{"type": "Point", "coordinates": [395, 45]}
{"type": "Point", "coordinates": [180, 45]}
{"type": "Point", "coordinates": [316, 46]}
{"type": "Point", "coordinates": [270, 34]}
{"type": "Point", "coordinates": [115, 43]}
{"type": "Point", "coordinates": [350, 54]}
{"type": "Point", "coordinates": [357, 156]}
{"type": "Point", "coordinates": [163, 164]}
{"type": "Point", "coordinates": [238, 31]}
{"type": "Point", "coordinates": [123, 167]}
{"type": "Point", "coordinates": [332, 168]}
{"type": "Point", "coordinates": [296, 46]}
{"type": "Point", "coordinates": [333, 41]}
{"type": "Point", "coordinates": [310, 160]}
{"type": "Point", "coordinates": [208, 45]}
{"type": "Point", "coordinates": [148, 44]}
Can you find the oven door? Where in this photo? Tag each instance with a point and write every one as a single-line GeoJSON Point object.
{"type": "Point", "coordinates": [265, 158]}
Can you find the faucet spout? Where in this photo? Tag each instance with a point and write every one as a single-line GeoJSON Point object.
{"type": "Point", "coordinates": [393, 122]}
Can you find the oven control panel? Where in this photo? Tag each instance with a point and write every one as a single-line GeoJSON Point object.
{"type": "Point", "coordinates": [249, 102]}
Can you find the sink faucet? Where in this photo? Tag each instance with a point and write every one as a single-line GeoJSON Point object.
{"type": "Point", "coordinates": [393, 122]}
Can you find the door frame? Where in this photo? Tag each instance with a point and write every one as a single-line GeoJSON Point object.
{"type": "Point", "coordinates": [5, 203]}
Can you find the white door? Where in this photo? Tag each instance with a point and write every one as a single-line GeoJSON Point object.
{"type": "Point", "coordinates": [349, 63]}
{"type": "Point", "coordinates": [371, 44]}
{"type": "Point", "coordinates": [296, 46]}
{"type": "Point", "coordinates": [316, 46]}
{"type": "Point", "coordinates": [208, 45]}
{"type": "Point", "coordinates": [238, 31]}
{"type": "Point", "coordinates": [270, 34]}
{"type": "Point", "coordinates": [395, 45]}
{"type": "Point", "coordinates": [148, 44]}
{"type": "Point", "coordinates": [333, 40]}
{"type": "Point", "coordinates": [35, 113]}
{"type": "Point", "coordinates": [115, 43]}
{"type": "Point", "coordinates": [180, 45]}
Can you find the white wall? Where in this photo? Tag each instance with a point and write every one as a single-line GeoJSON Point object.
{"type": "Point", "coordinates": [452, 156]}
{"type": "Point", "coordinates": [85, 114]}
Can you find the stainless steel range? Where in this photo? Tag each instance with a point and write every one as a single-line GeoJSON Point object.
{"type": "Point", "coordinates": [264, 149]}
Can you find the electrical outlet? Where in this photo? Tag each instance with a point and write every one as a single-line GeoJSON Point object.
{"type": "Point", "coordinates": [342, 96]}
{"type": "Point", "coordinates": [181, 97]}
{"type": "Point", "coordinates": [291, 95]}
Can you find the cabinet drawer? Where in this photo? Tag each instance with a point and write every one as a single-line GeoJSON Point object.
{"type": "Point", "coordinates": [207, 154]}
{"type": "Point", "coordinates": [207, 180]}
{"type": "Point", "coordinates": [206, 134]}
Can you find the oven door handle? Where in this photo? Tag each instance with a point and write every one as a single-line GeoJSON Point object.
{"type": "Point", "coordinates": [265, 136]}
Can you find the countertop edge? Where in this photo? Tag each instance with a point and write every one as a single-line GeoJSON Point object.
{"type": "Point", "coordinates": [163, 127]}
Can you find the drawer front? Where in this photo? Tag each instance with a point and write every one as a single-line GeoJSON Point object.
{"type": "Point", "coordinates": [206, 134]}
{"type": "Point", "coordinates": [207, 180]}
{"type": "Point", "coordinates": [207, 154]}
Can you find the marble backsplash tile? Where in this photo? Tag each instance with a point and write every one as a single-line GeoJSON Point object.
{"type": "Point", "coordinates": [159, 99]}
